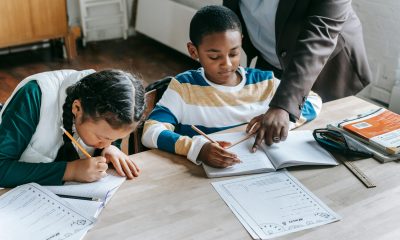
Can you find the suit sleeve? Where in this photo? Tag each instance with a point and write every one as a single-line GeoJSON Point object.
{"type": "Point", "coordinates": [314, 45]}
{"type": "Point", "coordinates": [18, 125]}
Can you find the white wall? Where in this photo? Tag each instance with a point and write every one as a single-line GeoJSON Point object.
{"type": "Point", "coordinates": [381, 25]}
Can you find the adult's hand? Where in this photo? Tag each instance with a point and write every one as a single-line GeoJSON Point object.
{"type": "Point", "coordinates": [273, 127]}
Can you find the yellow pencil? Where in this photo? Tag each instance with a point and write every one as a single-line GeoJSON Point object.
{"type": "Point", "coordinates": [76, 143]}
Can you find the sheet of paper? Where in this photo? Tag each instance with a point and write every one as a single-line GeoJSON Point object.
{"type": "Point", "coordinates": [252, 233]}
{"type": "Point", "coordinates": [274, 204]}
{"type": "Point", "coordinates": [300, 148]}
{"type": "Point", "coordinates": [32, 212]}
{"type": "Point", "coordinates": [251, 162]}
{"type": "Point", "coordinates": [90, 208]}
{"type": "Point", "coordinates": [100, 189]}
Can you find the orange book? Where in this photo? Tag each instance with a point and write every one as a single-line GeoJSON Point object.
{"type": "Point", "coordinates": [380, 128]}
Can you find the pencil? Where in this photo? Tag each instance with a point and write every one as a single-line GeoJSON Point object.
{"type": "Point", "coordinates": [241, 140]}
{"type": "Point", "coordinates": [203, 134]}
{"type": "Point", "coordinates": [77, 197]}
{"type": "Point", "coordinates": [76, 143]}
{"type": "Point", "coordinates": [246, 137]}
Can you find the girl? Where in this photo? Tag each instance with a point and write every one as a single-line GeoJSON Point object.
{"type": "Point", "coordinates": [96, 107]}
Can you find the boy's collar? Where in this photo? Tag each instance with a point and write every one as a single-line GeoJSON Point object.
{"type": "Point", "coordinates": [242, 72]}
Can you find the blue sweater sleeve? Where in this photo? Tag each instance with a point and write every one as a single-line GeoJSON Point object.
{"type": "Point", "coordinates": [18, 125]}
{"type": "Point", "coordinates": [162, 123]}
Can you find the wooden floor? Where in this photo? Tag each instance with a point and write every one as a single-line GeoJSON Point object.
{"type": "Point", "coordinates": [139, 54]}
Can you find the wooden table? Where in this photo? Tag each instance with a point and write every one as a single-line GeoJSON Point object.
{"type": "Point", "coordinates": [173, 199]}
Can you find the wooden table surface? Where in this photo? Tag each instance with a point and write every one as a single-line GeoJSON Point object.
{"type": "Point", "coordinates": [173, 199]}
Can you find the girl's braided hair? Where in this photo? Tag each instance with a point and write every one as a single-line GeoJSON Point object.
{"type": "Point", "coordinates": [113, 95]}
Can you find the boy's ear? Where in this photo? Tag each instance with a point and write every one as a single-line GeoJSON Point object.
{"type": "Point", "coordinates": [192, 51]}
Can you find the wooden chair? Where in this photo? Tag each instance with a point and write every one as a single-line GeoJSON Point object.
{"type": "Point", "coordinates": [153, 94]}
{"type": "Point", "coordinates": [135, 142]}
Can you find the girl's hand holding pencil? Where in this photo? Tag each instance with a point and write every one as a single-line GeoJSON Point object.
{"type": "Point", "coordinates": [84, 170]}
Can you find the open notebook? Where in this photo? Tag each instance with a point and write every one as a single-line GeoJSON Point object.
{"type": "Point", "coordinates": [102, 189]}
{"type": "Point", "coordinates": [300, 148]}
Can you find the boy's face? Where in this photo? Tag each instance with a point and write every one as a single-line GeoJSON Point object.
{"type": "Point", "coordinates": [219, 54]}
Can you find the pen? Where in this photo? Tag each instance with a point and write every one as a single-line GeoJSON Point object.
{"type": "Point", "coordinates": [76, 143]}
{"type": "Point", "coordinates": [77, 197]}
{"type": "Point", "coordinates": [203, 134]}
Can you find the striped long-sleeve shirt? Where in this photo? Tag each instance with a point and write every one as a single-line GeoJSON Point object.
{"type": "Point", "coordinates": [191, 99]}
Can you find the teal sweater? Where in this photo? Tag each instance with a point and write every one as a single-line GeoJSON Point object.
{"type": "Point", "coordinates": [18, 125]}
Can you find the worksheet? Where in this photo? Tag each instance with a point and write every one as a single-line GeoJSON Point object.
{"type": "Point", "coordinates": [32, 212]}
{"type": "Point", "coordinates": [273, 204]}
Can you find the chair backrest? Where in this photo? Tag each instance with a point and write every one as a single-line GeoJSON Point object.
{"type": "Point", "coordinates": [160, 86]}
{"type": "Point", "coordinates": [153, 94]}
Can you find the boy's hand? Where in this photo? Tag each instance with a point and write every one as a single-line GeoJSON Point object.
{"type": "Point", "coordinates": [215, 155]}
{"type": "Point", "coordinates": [86, 170]}
{"type": "Point", "coordinates": [122, 163]}
{"type": "Point", "coordinates": [273, 127]}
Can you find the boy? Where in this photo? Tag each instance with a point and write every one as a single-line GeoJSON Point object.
{"type": "Point", "coordinates": [217, 96]}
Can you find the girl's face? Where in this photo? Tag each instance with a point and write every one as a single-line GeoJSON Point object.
{"type": "Point", "coordinates": [97, 134]}
{"type": "Point", "coordinates": [219, 54]}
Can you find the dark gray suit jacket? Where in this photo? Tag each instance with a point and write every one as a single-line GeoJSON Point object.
{"type": "Point", "coordinates": [320, 45]}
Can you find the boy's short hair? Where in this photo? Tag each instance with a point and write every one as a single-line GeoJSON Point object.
{"type": "Point", "coordinates": [212, 19]}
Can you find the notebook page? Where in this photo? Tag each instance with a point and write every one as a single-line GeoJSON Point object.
{"type": "Point", "coordinates": [300, 148]}
{"type": "Point", "coordinates": [100, 189]}
{"type": "Point", "coordinates": [251, 162]}
{"type": "Point", "coordinates": [32, 212]}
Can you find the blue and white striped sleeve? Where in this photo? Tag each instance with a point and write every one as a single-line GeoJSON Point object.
{"type": "Point", "coordinates": [311, 108]}
{"type": "Point", "coordinates": [159, 129]}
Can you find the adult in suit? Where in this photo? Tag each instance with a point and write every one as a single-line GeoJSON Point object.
{"type": "Point", "coordinates": [309, 44]}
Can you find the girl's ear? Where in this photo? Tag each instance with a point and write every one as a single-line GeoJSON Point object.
{"type": "Point", "coordinates": [192, 51]}
{"type": "Point", "coordinates": [76, 108]}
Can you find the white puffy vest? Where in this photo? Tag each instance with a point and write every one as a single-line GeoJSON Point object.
{"type": "Point", "coordinates": [47, 139]}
